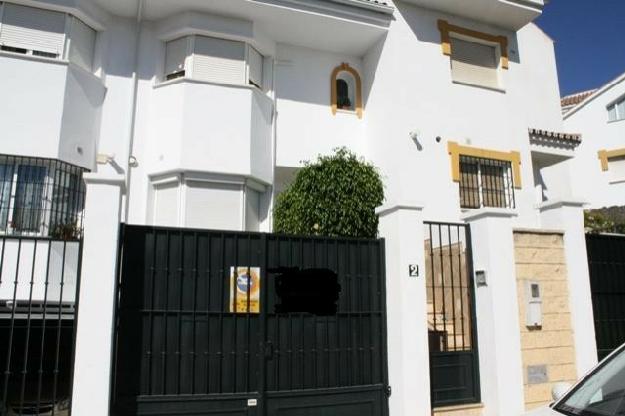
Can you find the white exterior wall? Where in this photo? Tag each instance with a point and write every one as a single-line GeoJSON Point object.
{"type": "Point", "coordinates": [598, 188]}
{"type": "Point", "coordinates": [418, 95]}
{"type": "Point", "coordinates": [306, 127]}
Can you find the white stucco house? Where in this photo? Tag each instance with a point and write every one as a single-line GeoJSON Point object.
{"type": "Point", "coordinates": [599, 166]}
{"type": "Point", "coordinates": [196, 114]}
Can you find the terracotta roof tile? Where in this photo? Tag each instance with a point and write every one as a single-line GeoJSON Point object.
{"type": "Point", "coordinates": [574, 99]}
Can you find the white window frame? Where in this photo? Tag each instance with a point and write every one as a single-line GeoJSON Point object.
{"type": "Point", "coordinates": [615, 105]}
{"type": "Point", "coordinates": [45, 202]}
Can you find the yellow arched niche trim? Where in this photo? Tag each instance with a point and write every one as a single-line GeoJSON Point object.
{"type": "Point", "coordinates": [335, 73]}
{"type": "Point", "coordinates": [455, 150]}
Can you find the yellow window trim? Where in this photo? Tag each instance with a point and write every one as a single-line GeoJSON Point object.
{"type": "Point", "coordinates": [455, 150]}
{"type": "Point", "coordinates": [446, 28]}
{"type": "Point", "coordinates": [606, 155]}
{"type": "Point", "coordinates": [335, 73]}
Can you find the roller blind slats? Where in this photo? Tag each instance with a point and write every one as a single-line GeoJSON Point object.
{"type": "Point", "coordinates": [219, 60]}
{"type": "Point", "coordinates": [474, 63]}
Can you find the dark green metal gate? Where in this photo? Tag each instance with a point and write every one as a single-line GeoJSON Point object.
{"type": "Point", "coordinates": [454, 366]}
{"type": "Point", "coordinates": [182, 351]}
{"type": "Point", "coordinates": [606, 262]}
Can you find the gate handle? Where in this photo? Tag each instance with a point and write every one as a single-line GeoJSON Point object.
{"type": "Point", "coordinates": [269, 350]}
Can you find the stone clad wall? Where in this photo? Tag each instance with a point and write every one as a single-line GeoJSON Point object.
{"type": "Point", "coordinates": [540, 257]}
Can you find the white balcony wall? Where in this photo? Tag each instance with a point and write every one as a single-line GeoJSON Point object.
{"type": "Point", "coordinates": [49, 109]}
{"type": "Point", "coordinates": [212, 128]}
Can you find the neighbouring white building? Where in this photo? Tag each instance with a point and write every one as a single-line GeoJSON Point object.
{"type": "Point", "coordinates": [598, 170]}
{"type": "Point", "coordinates": [198, 113]}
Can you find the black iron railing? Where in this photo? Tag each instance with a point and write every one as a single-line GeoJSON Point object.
{"type": "Point", "coordinates": [41, 197]}
{"type": "Point", "coordinates": [486, 183]}
{"type": "Point", "coordinates": [39, 279]}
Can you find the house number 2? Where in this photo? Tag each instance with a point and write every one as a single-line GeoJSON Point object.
{"type": "Point", "coordinates": [413, 270]}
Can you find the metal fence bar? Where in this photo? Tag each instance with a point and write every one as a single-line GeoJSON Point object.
{"type": "Point", "coordinates": [453, 346]}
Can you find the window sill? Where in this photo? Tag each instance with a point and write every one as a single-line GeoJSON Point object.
{"type": "Point", "coordinates": [181, 80]}
{"type": "Point", "coordinates": [55, 61]}
{"type": "Point", "coordinates": [350, 112]}
{"type": "Point", "coordinates": [35, 58]}
{"type": "Point", "coordinates": [484, 87]}
{"type": "Point", "coordinates": [616, 121]}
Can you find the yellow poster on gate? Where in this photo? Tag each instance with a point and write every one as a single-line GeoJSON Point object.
{"type": "Point", "coordinates": [245, 289]}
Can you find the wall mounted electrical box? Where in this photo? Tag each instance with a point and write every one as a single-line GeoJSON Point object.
{"type": "Point", "coordinates": [534, 305]}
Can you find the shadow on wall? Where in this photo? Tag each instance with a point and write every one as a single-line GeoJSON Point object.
{"type": "Point", "coordinates": [424, 24]}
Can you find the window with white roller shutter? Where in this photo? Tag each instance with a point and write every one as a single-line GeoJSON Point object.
{"type": "Point", "coordinates": [32, 30]}
{"type": "Point", "coordinates": [474, 63]}
{"type": "Point", "coordinates": [209, 59]}
{"type": "Point", "coordinates": [46, 33]}
{"type": "Point", "coordinates": [166, 203]}
{"type": "Point", "coordinates": [213, 205]}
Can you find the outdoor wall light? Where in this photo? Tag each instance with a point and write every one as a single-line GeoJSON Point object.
{"type": "Point", "coordinates": [414, 135]}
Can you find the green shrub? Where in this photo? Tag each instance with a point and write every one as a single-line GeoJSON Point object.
{"type": "Point", "coordinates": [605, 220]}
{"type": "Point", "coordinates": [334, 196]}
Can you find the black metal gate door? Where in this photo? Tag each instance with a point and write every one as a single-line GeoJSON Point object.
{"type": "Point", "coordinates": [606, 262]}
{"type": "Point", "coordinates": [454, 369]}
{"type": "Point", "coordinates": [187, 344]}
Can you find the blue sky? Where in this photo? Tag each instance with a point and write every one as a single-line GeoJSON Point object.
{"type": "Point", "coordinates": [590, 41]}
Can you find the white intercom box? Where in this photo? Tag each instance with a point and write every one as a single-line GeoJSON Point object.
{"type": "Point", "coordinates": [534, 305]}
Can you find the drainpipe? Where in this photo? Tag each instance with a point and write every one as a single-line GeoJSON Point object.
{"type": "Point", "coordinates": [133, 101]}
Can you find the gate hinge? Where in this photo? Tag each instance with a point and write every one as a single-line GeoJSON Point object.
{"type": "Point", "coordinates": [388, 391]}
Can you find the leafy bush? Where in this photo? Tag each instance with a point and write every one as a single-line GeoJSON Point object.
{"type": "Point", "coordinates": [605, 220]}
{"type": "Point", "coordinates": [334, 196]}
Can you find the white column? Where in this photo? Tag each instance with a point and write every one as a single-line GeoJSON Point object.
{"type": "Point", "coordinates": [498, 328]}
{"type": "Point", "coordinates": [568, 216]}
{"type": "Point", "coordinates": [401, 225]}
{"type": "Point", "coordinates": [94, 336]}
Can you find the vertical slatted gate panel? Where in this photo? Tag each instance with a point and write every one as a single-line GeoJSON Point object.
{"type": "Point", "coordinates": [606, 261]}
{"type": "Point", "coordinates": [180, 347]}
{"type": "Point", "coordinates": [313, 352]}
{"type": "Point", "coordinates": [323, 355]}
{"type": "Point", "coordinates": [451, 315]}
{"type": "Point", "coordinates": [175, 289]}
